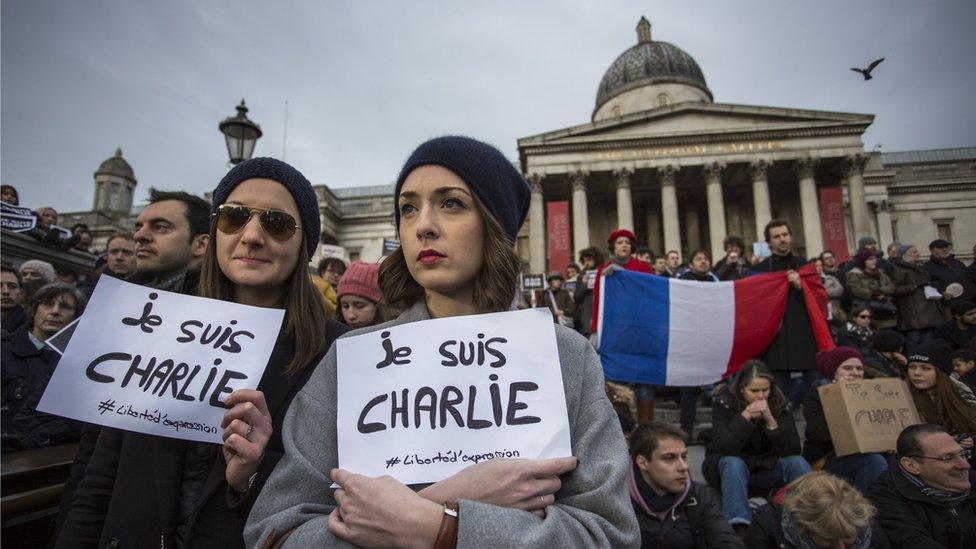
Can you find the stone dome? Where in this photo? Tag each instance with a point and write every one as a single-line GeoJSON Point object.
{"type": "Point", "coordinates": [117, 166]}
{"type": "Point", "coordinates": [647, 63]}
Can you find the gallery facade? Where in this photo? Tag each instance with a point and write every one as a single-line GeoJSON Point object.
{"type": "Point", "coordinates": [661, 158]}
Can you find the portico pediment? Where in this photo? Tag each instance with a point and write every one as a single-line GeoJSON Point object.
{"type": "Point", "coordinates": [701, 121]}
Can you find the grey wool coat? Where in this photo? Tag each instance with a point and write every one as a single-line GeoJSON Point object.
{"type": "Point", "coordinates": [592, 508]}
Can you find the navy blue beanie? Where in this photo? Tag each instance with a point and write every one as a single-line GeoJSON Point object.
{"type": "Point", "coordinates": [293, 180]}
{"type": "Point", "coordinates": [491, 177]}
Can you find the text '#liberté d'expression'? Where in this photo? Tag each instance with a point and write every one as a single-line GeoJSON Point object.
{"type": "Point", "coordinates": [435, 408]}
{"type": "Point", "coordinates": [167, 377]}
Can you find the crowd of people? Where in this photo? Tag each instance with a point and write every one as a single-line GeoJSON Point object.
{"type": "Point", "coordinates": [459, 205]}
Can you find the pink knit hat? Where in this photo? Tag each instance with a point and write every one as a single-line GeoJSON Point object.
{"type": "Point", "coordinates": [361, 279]}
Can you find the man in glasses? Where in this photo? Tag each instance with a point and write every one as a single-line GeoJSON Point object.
{"type": "Point", "coordinates": [926, 498]}
{"type": "Point", "coordinates": [27, 366]}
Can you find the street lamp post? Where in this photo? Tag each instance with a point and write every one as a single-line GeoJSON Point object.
{"type": "Point", "coordinates": [241, 135]}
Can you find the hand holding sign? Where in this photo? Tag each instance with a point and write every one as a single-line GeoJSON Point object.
{"type": "Point", "coordinates": [247, 430]}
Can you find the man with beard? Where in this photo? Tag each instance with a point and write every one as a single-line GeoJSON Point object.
{"type": "Point", "coordinates": [27, 367]}
{"type": "Point", "coordinates": [794, 348]}
{"type": "Point", "coordinates": [171, 236]}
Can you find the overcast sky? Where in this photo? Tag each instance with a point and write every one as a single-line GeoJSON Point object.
{"type": "Point", "coordinates": [367, 81]}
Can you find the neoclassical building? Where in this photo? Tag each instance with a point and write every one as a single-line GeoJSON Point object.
{"type": "Point", "coordinates": [661, 158]}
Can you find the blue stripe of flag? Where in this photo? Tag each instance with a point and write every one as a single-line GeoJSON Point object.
{"type": "Point", "coordinates": [637, 320]}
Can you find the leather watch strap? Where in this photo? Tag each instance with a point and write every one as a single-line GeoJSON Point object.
{"type": "Point", "coordinates": [447, 536]}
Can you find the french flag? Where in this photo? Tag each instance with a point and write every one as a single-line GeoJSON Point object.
{"type": "Point", "coordinates": [665, 331]}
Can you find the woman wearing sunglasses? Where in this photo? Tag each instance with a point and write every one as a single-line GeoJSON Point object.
{"type": "Point", "coordinates": [459, 207]}
{"type": "Point", "coordinates": [147, 491]}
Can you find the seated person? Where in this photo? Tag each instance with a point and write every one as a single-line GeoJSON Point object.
{"type": "Point", "coordinates": [962, 328]}
{"type": "Point", "coordinates": [837, 365]}
{"type": "Point", "coordinates": [938, 397]}
{"type": "Point", "coordinates": [964, 366]}
{"type": "Point", "coordinates": [672, 510]}
{"type": "Point", "coordinates": [858, 333]}
{"type": "Point", "coordinates": [754, 442]}
{"type": "Point", "coordinates": [887, 357]}
{"type": "Point", "coordinates": [818, 510]}
{"type": "Point", "coordinates": [28, 365]}
{"type": "Point", "coordinates": [926, 498]}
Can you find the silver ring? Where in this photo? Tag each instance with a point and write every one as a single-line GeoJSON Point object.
{"type": "Point", "coordinates": [543, 498]}
{"type": "Point", "coordinates": [248, 433]}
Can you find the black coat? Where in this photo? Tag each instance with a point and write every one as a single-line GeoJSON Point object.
{"type": "Point", "coordinates": [734, 435]}
{"type": "Point", "coordinates": [766, 531]}
{"type": "Point", "coordinates": [793, 348]}
{"type": "Point", "coordinates": [710, 529]}
{"type": "Point", "coordinates": [14, 319]}
{"type": "Point", "coordinates": [132, 487]}
{"type": "Point", "coordinates": [915, 521]}
{"type": "Point", "coordinates": [26, 372]}
{"type": "Point", "coordinates": [816, 437]}
{"type": "Point", "coordinates": [953, 270]}
{"type": "Point", "coordinates": [956, 337]}
{"type": "Point", "coordinates": [729, 271]}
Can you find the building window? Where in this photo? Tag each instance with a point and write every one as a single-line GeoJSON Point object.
{"type": "Point", "coordinates": [663, 100]}
{"type": "Point", "coordinates": [943, 229]}
{"type": "Point", "coordinates": [615, 110]}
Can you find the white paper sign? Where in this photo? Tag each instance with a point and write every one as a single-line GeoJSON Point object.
{"type": "Point", "coordinates": [331, 250]}
{"type": "Point", "coordinates": [423, 400]}
{"type": "Point", "coordinates": [158, 362]}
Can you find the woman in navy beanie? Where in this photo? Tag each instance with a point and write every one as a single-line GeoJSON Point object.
{"type": "Point", "coordinates": [149, 491]}
{"type": "Point", "coordinates": [459, 206]}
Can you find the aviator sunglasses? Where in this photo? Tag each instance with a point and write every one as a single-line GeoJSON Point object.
{"type": "Point", "coordinates": [231, 219]}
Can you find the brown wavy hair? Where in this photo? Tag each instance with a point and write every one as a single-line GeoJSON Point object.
{"type": "Point", "coordinates": [947, 408]}
{"type": "Point", "coordinates": [304, 310]}
{"type": "Point", "coordinates": [494, 287]}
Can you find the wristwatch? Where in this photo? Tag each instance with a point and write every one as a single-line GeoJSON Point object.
{"type": "Point", "coordinates": [448, 533]}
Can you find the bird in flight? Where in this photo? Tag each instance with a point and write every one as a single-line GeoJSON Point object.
{"type": "Point", "coordinates": [867, 72]}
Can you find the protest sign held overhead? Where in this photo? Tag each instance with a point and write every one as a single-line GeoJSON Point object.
{"type": "Point", "coordinates": [158, 362]}
{"type": "Point", "coordinates": [421, 401]}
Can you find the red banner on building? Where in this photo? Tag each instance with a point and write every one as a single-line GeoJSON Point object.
{"type": "Point", "coordinates": [832, 219]}
{"type": "Point", "coordinates": [557, 232]}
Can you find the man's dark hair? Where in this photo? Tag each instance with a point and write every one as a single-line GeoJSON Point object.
{"type": "Point", "coordinates": [594, 253]}
{"type": "Point", "coordinates": [7, 269]}
{"type": "Point", "coordinates": [641, 250]}
{"type": "Point", "coordinates": [335, 263]}
{"type": "Point", "coordinates": [908, 441]}
{"type": "Point", "coordinates": [960, 306]}
{"type": "Point", "coordinates": [965, 355]}
{"type": "Point", "coordinates": [197, 209]}
{"type": "Point", "coordinates": [123, 235]}
{"type": "Point", "coordinates": [64, 270]}
{"type": "Point", "coordinates": [80, 227]}
{"type": "Point", "coordinates": [573, 266]}
{"type": "Point", "coordinates": [825, 252]}
{"type": "Point", "coordinates": [53, 291]}
{"type": "Point", "coordinates": [645, 438]}
{"type": "Point", "coordinates": [734, 240]}
{"type": "Point", "coordinates": [701, 251]}
{"type": "Point", "coordinates": [773, 224]}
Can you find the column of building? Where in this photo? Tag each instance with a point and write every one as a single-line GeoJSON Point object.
{"type": "Point", "coordinates": [885, 233]}
{"type": "Point", "coordinates": [809, 205]}
{"type": "Point", "coordinates": [625, 208]}
{"type": "Point", "coordinates": [854, 167]}
{"type": "Point", "coordinates": [669, 208]}
{"type": "Point", "coordinates": [759, 170]}
{"type": "Point", "coordinates": [537, 225]}
{"type": "Point", "coordinates": [716, 208]}
{"type": "Point", "coordinates": [581, 219]}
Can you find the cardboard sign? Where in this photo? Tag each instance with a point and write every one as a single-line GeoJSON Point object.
{"type": "Point", "coordinates": [158, 362]}
{"type": "Point", "coordinates": [867, 415]}
{"type": "Point", "coordinates": [423, 400]}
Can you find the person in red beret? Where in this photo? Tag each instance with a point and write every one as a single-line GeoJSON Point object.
{"type": "Point", "coordinates": [622, 243]}
{"type": "Point", "coordinates": [837, 365]}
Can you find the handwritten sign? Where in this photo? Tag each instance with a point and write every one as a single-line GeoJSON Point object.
{"type": "Point", "coordinates": [158, 362]}
{"type": "Point", "coordinates": [867, 415]}
{"type": "Point", "coordinates": [423, 400]}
